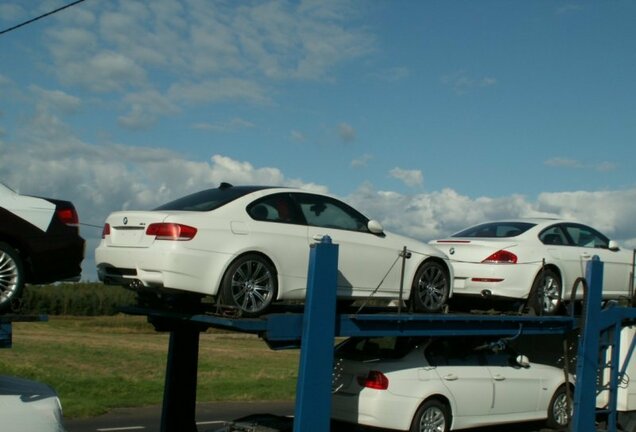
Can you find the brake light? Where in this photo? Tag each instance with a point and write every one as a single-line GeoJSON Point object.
{"type": "Point", "coordinates": [106, 230]}
{"type": "Point", "coordinates": [374, 380]}
{"type": "Point", "coordinates": [171, 231]}
{"type": "Point", "coordinates": [68, 216]}
{"type": "Point", "coordinates": [501, 257]}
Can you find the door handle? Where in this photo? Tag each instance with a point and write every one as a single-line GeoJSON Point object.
{"type": "Point", "coordinates": [586, 255]}
{"type": "Point", "coordinates": [450, 377]}
{"type": "Point", "coordinates": [318, 237]}
{"type": "Point", "coordinates": [499, 378]}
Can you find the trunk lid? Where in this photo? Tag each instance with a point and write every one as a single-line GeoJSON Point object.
{"type": "Point", "coordinates": [470, 249]}
{"type": "Point", "coordinates": [128, 228]}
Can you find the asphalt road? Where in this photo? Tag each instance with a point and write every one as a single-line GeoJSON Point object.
{"type": "Point", "coordinates": [211, 417]}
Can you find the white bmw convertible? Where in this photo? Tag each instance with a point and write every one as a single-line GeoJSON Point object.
{"type": "Point", "coordinates": [249, 245]}
{"type": "Point", "coordinates": [534, 259]}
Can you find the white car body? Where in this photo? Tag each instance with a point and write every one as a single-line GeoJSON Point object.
{"type": "Point", "coordinates": [27, 406]}
{"type": "Point", "coordinates": [381, 384]}
{"type": "Point", "coordinates": [252, 224]}
{"type": "Point", "coordinates": [483, 255]}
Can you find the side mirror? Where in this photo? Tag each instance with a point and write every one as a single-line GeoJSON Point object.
{"type": "Point", "coordinates": [375, 227]}
{"type": "Point", "coordinates": [523, 361]}
{"type": "Point", "coordinates": [613, 246]}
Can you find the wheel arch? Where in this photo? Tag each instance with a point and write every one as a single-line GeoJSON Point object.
{"type": "Point", "coordinates": [441, 398]}
{"type": "Point", "coordinates": [556, 269]}
{"type": "Point", "coordinates": [229, 263]}
{"type": "Point", "coordinates": [23, 252]}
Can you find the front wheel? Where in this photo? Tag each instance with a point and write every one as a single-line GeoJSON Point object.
{"type": "Point", "coordinates": [560, 409]}
{"type": "Point", "coordinates": [431, 416]}
{"type": "Point", "coordinates": [250, 285]}
{"type": "Point", "coordinates": [546, 293]}
{"type": "Point", "coordinates": [11, 277]}
{"type": "Point", "coordinates": [431, 288]}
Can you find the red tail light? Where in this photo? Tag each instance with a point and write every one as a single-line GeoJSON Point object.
{"type": "Point", "coordinates": [68, 216]}
{"type": "Point", "coordinates": [171, 231]}
{"type": "Point", "coordinates": [374, 380]}
{"type": "Point", "coordinates": [106, 230]}
{"type": "Point", "coordinates": [501, 257]}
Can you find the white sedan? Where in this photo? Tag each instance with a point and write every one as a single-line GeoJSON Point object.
{"type": "Point", "coordinates": [441, 384]}
{"type": "Point", "coordinates": [249, 246]}
{"type": "Point", "coordinates": [27, 406]}
{"type": "Point", "coordinates": [534, 259]}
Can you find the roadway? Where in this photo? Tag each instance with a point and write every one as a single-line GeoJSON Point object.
{"type": "Point", "coordinates": [211, 417]}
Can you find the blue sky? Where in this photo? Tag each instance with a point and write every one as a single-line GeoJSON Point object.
{"type": "Point", "coordinates": [428, 116]}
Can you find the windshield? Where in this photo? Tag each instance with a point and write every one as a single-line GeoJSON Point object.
{"type": "Point", "coordinates": [209, 199]}
{"type": "Point", "coordinates": [496, 230]}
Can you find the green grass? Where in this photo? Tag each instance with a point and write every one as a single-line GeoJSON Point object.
{"type": "Point", "coordinates": [100, 363]}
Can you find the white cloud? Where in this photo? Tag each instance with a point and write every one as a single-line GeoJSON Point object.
{"type": "Point", "coordinates": [560, 162]}
{"type": "Point", "coordinates": [410, 178]}
{"type": "Point", "coordinates": [231, 125]}
{"type": "Point", "coordinates": [226, 89]}
{"type": "Point", "coordinates": [297, 136]}
{"type": "Point", "coordinates": [55, 100]}
{"type": "Point", "coordinates": [51, 161]}
{"type": "Point", "coordinates": [346, 132]}
{"type": "Point", "coordinates": [362, 161]}
{"type": "Point", "coordinates": [12, 13]}
{"type": "Point", "coordinates": [462, 83]}
{"type": "Point", "coordinates": [200, 52]}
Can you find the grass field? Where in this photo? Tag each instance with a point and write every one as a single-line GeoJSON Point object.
{"type": "Point", "coordinates": [100, 363]}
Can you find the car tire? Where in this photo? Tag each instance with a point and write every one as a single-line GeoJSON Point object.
{"type": "Point", "coordinates": [11, 277]}
{"type": "Point", "coordinates": [250, 285]}
{"type": "Point", "coordinates": [432, 416]}
{"type": "Point", "coordinates": [430, 289]}
{"type": "Point", "coordinates": [546, 293]}
{"type": "Point", "coordinates": [559, 415]}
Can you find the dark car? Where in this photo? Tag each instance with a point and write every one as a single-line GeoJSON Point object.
{"type": "Point", "coordinates": [39, 243]}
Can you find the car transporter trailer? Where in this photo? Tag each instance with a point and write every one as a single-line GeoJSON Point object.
{"type": "Point", "coordinates": [314, 331]}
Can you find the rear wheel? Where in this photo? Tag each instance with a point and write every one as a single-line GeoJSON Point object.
{"type": "Point", "coordinates": [250, 285]}
{"type": "Point", "coordinates": [431, 287]}
{"type": "Point", "coordinates": [432, 416]}
{"type": "Point", "coordinates": [11, 277]}
{"type": "Point", "coordinates": [545, 294]}
{"type": "Point", "coordinates": [560, 409]}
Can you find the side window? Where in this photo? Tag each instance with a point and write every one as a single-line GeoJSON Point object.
{"type": "Point", "coordinates": [453, 352]}
{"type": "Point", "coordinates": [275, 208]}
{"type": "Point", "coordinates": [553, 236]}
{"type": "Point", "coordinates": [327, 212]}
{"type": "Point", "coordinates": [584, 236]}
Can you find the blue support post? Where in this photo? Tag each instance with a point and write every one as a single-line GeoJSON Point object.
{"type": "Point", "coordinates": [180, 391]}
{"type": "Point", "coordinates": [313, 388]}
{"type": "Point", "coordinates": [588, 353]}
{"type": "Point", "coordinates": [5, 335]}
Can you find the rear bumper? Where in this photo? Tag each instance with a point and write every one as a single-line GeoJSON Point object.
{"type": "Point", "coordinates": [161, 268]}
{"type": "Point", "coordinates": [53, 259]}
{"type": "Point", "coordinates": [497, 280]}
{"type": "Point", "coordinates": [374, 408]}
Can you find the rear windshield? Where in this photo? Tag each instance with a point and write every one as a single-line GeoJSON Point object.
{"type": "Point", "coordinates": [496, 230]}
{"type": "Point", "coordinates": [209, 199]}
{"type": "Point", "coordinates": [377, 348]}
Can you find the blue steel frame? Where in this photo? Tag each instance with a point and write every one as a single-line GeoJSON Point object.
{"type": "Point", "coordinates": [596, 324]}
{"type": "Point", "coordinates": [315, 330]}
{"type": "Point", "coordinates": [6, 326]}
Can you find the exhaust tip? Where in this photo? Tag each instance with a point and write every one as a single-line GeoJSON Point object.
{"type": "Point", "coordinates": [136, 285]}
{"type": "Point", "coordinates": [486, 293]}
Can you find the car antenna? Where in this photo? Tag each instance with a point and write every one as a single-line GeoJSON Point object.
{"type": "Point", "coordinates": [224, 185]}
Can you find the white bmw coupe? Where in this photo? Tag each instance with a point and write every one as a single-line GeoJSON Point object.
{"type": "Point", "coordinates": [534, 259]}
{"type": "Point", "coordinates": [249, 246]}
